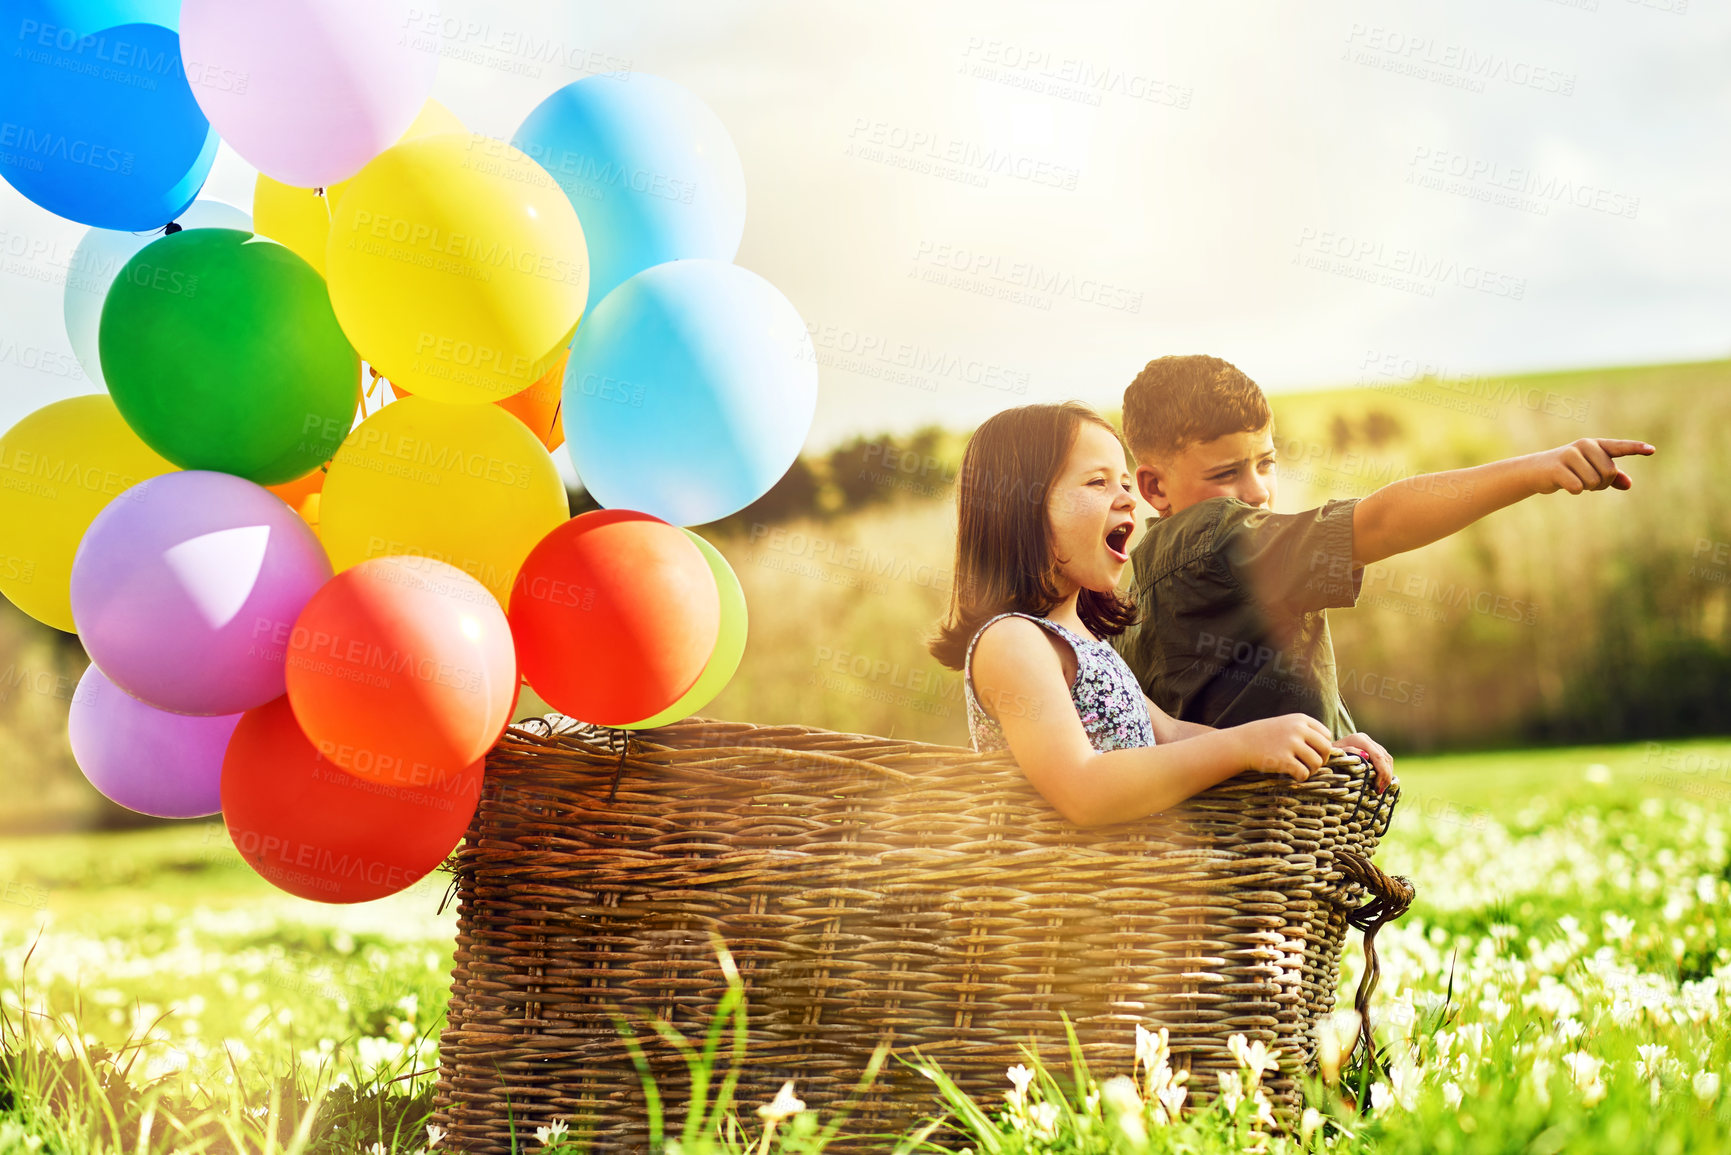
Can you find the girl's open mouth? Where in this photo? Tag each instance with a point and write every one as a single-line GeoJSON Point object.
{"type": "Point", "coordinates": [1117, 538]}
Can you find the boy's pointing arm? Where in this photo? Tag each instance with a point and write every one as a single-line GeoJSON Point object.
{"type": "Point", "coordinates": [1418, 510]}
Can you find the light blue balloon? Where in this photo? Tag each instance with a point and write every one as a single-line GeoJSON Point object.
{"type": "Point", "coordinates": [689, 392]}
{"type": "Point", "coordinates": [649, 168]}
{"type": "Point", "coordinates": [97, 121]}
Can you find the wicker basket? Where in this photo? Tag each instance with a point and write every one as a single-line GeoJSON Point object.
{"type": "Point", "coordinates": [871, 889]}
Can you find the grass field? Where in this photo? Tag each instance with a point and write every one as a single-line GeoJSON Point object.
{"type": "Point", "coordinates": [1560, 984]}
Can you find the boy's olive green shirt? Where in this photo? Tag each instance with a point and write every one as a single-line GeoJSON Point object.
{"type": "Point", "coordinates": [1232, 627]}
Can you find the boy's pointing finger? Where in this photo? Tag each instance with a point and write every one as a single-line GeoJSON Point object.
{"type": "Point", "coordinates": [1618, 447]}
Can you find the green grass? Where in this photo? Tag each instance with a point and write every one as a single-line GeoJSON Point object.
{"type": "Point", "coordinates": [1572, 902]}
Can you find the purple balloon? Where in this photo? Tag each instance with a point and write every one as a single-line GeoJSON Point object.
{"type": "Point", "coordinates": [146, 759]}
{"type": "Point", "coordinates": [185, 588]}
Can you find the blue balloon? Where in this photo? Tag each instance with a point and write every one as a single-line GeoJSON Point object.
{"type": "Point", "coordinates": [689, 392]}
{"type": "Point", "coordinates": [650, 169]}
{"type": "Point", "coordinates": [97, 121]}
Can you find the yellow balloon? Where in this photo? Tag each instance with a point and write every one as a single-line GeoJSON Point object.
{"type": "Point", "coordinates": [59, 467]}
{"type": "Point", "coordinates": [466, 484]}
{"type": "Point", "coordinates": [729, 644]}
{"type": "Point", "coordinates": [301, 219]}
{"type": "Point", "coordinates": [457, 267]}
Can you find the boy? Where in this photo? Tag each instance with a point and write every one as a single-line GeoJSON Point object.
{"type": "Point", "coordinates": [1233, 594]}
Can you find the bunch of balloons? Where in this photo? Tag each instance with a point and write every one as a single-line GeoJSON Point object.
{"type": "Point", "coordinates": [312, 535]}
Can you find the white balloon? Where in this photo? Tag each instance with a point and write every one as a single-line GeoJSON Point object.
{"type": "Point", "coordinates": [100, 257]}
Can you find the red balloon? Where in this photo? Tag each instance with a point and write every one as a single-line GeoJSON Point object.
{"type": "Point", "coordinates": [615, 614]}
{"type": "Point", "coordinates": [317, 831]}
{"type": "Point", "coordinates": [400, 666]}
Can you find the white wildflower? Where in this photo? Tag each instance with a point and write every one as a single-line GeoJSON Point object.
{"type": "Point", "coordinates": [1618, 928]}
{"type": "Point", "coordinates": [1706, 1084]}
{"type": "Point", "coordinates": [1336, 1035]}
{"type": "Point", "coordinates": [1539, 1074]}
{"type": "Point", "coordinates": [1021, 1077]}
{"type": "Point", "coordinates": [1231, 1089]}
{"type": "Point", "coordinates": [551, 1134]}
{"type": "Point", "coordinates": [1308, 1123]}
{"type": "Point", "coordinates": [1045, 1118]}
{"type": "Point", "coordinates": [784, 1105]}
{"type": "Point", "coordinates": [1584, 1069]}
{"type": "Point", "coordinates": [434, 1134]}
{"type": "Point", "coordinates": [1255, 1058]}
{"type": "Point", "coordinates": [1172, 1096]}
{"type": "Point", "coordinates": [1119, 1093]}
{"type": "Point", "coordinates": [1651, 1059]}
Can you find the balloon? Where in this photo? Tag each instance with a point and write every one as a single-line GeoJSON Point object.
{"type": "Point", "coordinates": [301, 217]}
{"type": "Point", "coordinates": [98, 260]}
{"type": "Point", "coordinates": [294, 493]}
{"type": "Point", "coordinates": [649, 168]}
{"type": "Point", "coordinates": [221, 350]}
{"type": "Point", "coordinates": [322, 833]}
{"type": "Point", "coordinates": [97, 121]}
{"type": "Point", "coordinates": [401, 666]}
{"type": "Point", "coordinates": [466, 484]}
{"type": "Point", "coordinates": [689, 392]}
{"type": "Point", "coordinates": [308, 91]}
{"type": "Point", "coordinates": [538, 405]}
{"type": "Point", "coordinates": [457, 267]}
{"type": "Point", "coordinates": [59, 467]}
{"type": "Point", "coordinates": [615, 614]}
{"type": "Point", "coordinates": [145, 759]}
{"type": "Point", "coordinates": [185, 588]}
{"type": "Point", "coordinates": [729, 645]}
{"type": "Point", "coordinates": [309, 509]}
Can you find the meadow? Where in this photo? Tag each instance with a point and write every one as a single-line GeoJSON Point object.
{"type": "Point", "coordinates": [1553, 683]}
{"type": "Point", "coordinates": [1562, 983]}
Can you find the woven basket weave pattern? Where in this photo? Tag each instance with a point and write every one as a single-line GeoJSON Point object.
{"type": "Point", "coordinates": [867, 889]}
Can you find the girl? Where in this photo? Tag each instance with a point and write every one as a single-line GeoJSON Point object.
{"type": "Point", "coordinates": [1045, 510]}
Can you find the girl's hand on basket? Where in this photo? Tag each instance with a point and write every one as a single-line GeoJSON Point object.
{"type": "Point", "coordinates": [1292, 744]}
{"type": "Point", "coordinates": [1379, 758]}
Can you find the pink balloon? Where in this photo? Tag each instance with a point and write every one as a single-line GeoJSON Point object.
{"type": "Point", "coordinates": [185, 588]}
{"type": "Point", "coordinates": [146, 759]}
{"type": "Point", "coordinates": [308, 91]}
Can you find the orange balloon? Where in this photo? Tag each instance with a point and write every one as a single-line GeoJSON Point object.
{"type": "Point", "coordinates": [615, 613]}
{"type": "Point", "coordinates": [538, 405]}
{"type": "Point", "coordinates": [294, 493]}
{"type": "Point", "coordinates": [400, 669]}
{"type": "Point", "coordinates": [315, 831]}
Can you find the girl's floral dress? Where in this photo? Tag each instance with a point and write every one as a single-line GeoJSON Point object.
{"type": "Point", "coordinates": [1107, 696]}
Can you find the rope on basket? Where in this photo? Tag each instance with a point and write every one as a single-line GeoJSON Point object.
{"type": "Point", "coordinates": [624, 737]}
{"type": "Point", "coordinates": [1390, 898]}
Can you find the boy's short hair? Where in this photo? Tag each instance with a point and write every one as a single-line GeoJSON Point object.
{"type": "Point", "coordinates": [1181, 400]}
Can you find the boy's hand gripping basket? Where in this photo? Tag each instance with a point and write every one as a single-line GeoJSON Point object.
{"type": "Point", "coordinates": [873, 889]}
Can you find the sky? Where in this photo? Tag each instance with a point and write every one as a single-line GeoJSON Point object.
{"type": "Point", "coordinates": [986, 203]}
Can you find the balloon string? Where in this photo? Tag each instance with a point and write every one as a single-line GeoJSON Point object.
{"type": "Point", "coordinates": [554, 424]}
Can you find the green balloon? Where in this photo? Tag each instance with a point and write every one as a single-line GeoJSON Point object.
{"type": "Point", "coordinates": [729, 644]}
{"type": "Point", "coordinates": [221, 351]}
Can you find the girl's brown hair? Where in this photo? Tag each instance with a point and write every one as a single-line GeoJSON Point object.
{"type": "Point", "coordinates": [1003, 544]}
